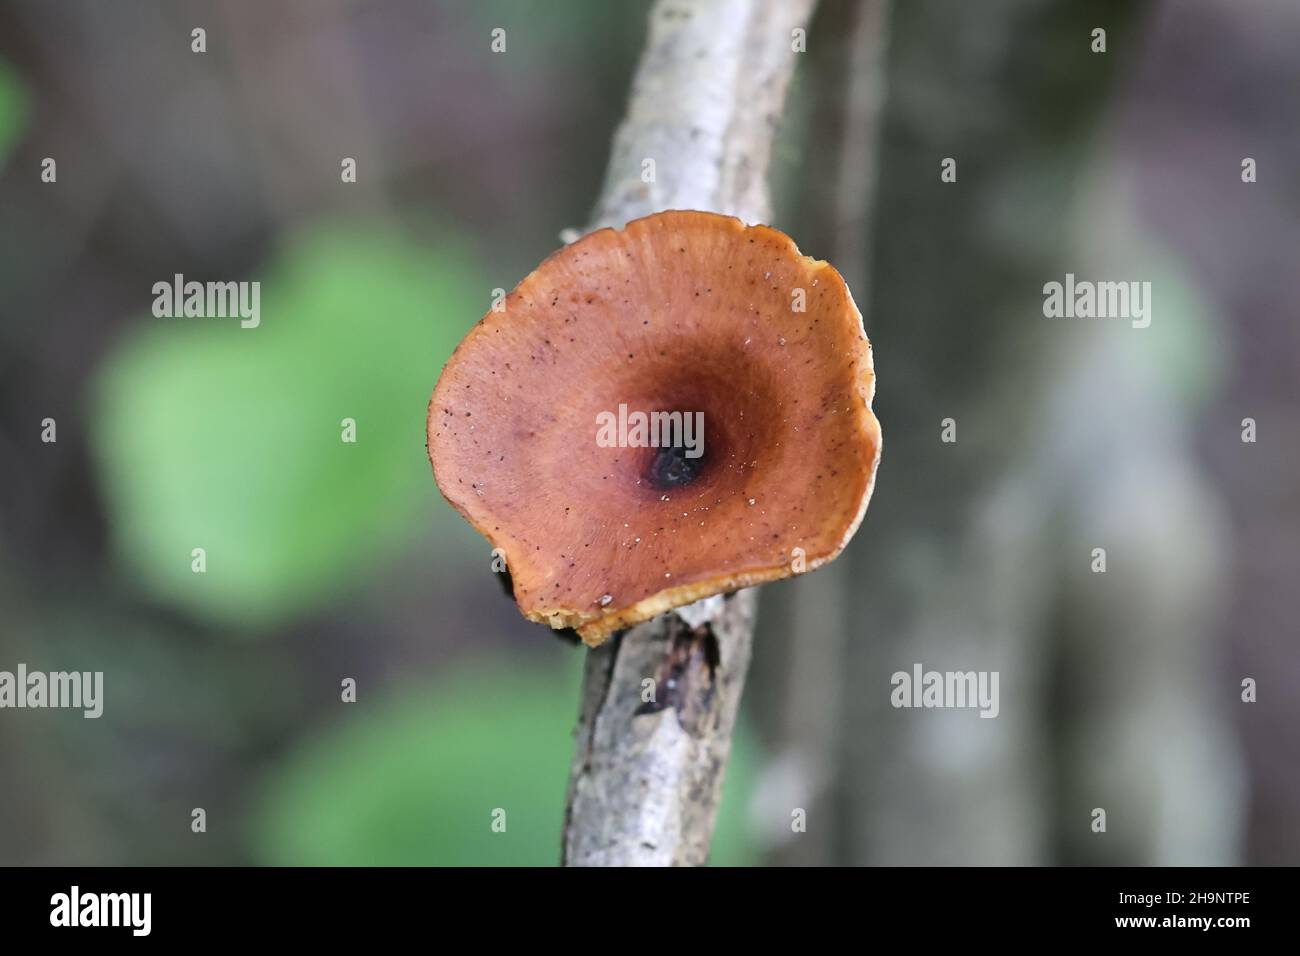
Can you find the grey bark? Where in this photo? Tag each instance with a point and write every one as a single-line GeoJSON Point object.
{"type": "Point", "coordinates": [647, 775]}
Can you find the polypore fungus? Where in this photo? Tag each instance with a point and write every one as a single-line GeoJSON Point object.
{"type": "Point", "coordinates": [660, 414]}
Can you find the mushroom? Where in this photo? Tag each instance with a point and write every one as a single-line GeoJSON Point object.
{"type": "Point", "coordinates": [659, 414]}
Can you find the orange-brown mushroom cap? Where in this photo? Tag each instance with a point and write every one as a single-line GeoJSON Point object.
{"type": "Point", "coordinates": [686, 312]}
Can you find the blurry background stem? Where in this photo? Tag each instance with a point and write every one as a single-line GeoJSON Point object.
{"type": "Point", "coordinates": [698, 133]}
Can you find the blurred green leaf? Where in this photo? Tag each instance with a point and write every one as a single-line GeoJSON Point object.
{"type": "Point", "coordinates": [1184, 349]}
{"type": "Point", "coordinates": [229, 439]}
{"type": "Point", "coordinates": [13, 109]}
{"type": "Point", "coordinates": [415, 780]}
{"type": "Point", "coordinates": [1183, 345]}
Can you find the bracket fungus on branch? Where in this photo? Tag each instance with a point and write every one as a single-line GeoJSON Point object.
{"type": "Point", "coordinates": [661, 413]}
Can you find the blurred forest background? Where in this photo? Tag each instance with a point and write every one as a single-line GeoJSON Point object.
{"type": "Point", "coordinates": [328, 560]}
